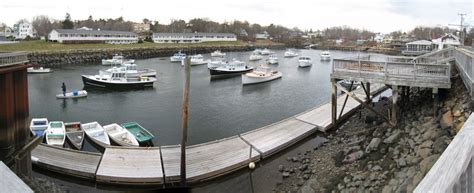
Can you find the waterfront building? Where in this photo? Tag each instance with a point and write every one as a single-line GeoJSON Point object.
{"type": "Point", "coordinates": [193, 37]}
{"type": "Point", "coordinates": [24, 30]}
{"type": "Point", "coordinates": [262, 36]}
{"type": "Point", "coordinates": [87, 35]}
{"type": "Point", "coordinates": [417, 48]}
{"type": "Point", "coordinates": [447, 40]}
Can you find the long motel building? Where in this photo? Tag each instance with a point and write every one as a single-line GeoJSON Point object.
{"type": "Point", "coordinates": [193, 37]}
{"type": "Point", "coordinates": [92, 36]}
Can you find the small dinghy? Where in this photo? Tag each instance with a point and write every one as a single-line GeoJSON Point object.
{"type": "Point", "coordinates": [74, 94]}
{"type": "Point", "coordinates": [120, 135]}
{"type": "Point", "coordinates": [140, 133]}
{"type": "Point", "coordinates": [37, 70]}
{"type": "Point", "coordinates": [38, 126]}
{"type": "Point", "coordinates": [96, 133]}
{"type": "Point", "coordinates": [75, 134]}
{"type": "Point", "coordinates": [56, 133]}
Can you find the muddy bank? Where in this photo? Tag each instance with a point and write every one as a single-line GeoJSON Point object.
{"type": "Point", "coordinates": [367, 155]}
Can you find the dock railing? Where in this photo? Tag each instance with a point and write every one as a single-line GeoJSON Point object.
{"type": "Point", "coordinates": [464, 62]}
{"type": "Point", "coordinates": [12, 58]}
{"type": "Point", "coordinates": [453, 172]}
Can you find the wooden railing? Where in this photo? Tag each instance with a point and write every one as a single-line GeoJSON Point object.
{"type": "Point", "coordinates": [12, 58]}
{"type": "Point", "coordinates": [464, 62]}
{"type": "Point", "coordinates": [453, 171]}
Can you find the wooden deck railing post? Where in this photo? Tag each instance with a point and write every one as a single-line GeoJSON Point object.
{"type": "Point", "coordinates": [334, 102]}
{"type": "Point", "coordinates": [184, 131]}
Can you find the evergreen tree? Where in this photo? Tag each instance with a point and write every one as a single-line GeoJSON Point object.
{"type": "Point", "coordinates": [67, 23]}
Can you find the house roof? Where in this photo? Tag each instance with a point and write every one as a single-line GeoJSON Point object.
{"type": "Point", "coordinates": [193, 34]}
{"type": "Point", "coordinates": [420, 42]}
{"type": "Point", "coordinates": [448, 36]}
{"type": "Point", "coordinates": [93, 32]}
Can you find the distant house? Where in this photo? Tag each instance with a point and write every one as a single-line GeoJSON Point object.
{"type": "Point", "coordinates": [92, 36]}
{"type": "Point", "coordinates": [24, 30]}
{"type": "Point", "coordinates": [447, 40]}
{"type": "Point", "coordinates": [141, 27]}
{"type": "Point", "coordinates": [243, 33]}
{"type": "Point", "coordinates": [192, 37]}
{"type": "Point", "coordinates": [339, 41]}
{"type": "Point", "coordinates": [417, 48]}
{"type": "Point", "coordinates": [262, 36]}
{"type": "Point", "coordinates": [378, 37]}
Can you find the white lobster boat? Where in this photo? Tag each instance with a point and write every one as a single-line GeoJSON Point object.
{"type": "Point", "coordinates": [260, 75]}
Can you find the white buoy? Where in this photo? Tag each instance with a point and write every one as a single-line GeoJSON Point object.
{"type": "Point", "coordinates": [252, 165]}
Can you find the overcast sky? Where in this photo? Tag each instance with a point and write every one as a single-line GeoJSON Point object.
{"type": "Point", "coordinates": [375, 15]}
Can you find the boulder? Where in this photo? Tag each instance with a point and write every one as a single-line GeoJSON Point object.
{"type": "Point", "coordinates": [446, 121]}
{"type": "Point", "coordinates": [373, 145]}
{"type": "Point", "coordinates": [440, 144]}
{"type": "Point", "coordinates": [424, 152]}
{"type": "Point", "coordinates": [426, 144]}
{"type": "Point", "coordinates": [353, 157]}
{"type": "Point", "coordinates": [458, 126]}
{"type": "Point", "coordinates": [428, 162]}
{"type": "Point", "coordinates": [391, 139]}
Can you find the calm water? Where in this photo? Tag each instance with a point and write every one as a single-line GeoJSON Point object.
{"type": "Point", "coordinates": [217, 108]}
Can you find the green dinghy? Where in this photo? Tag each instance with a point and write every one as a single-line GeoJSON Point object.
{"type": "Point", "coordinates": [140, 133]}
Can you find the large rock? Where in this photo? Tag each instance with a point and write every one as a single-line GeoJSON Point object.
{"type": "Point", "coordinates": [446, 121]}
{"type": "Point", "coordinates": [391, 139]}
{"type": "Point", "coordinates": [424, 152]}
{"type": "Point", "coordinates": [458, 126]}
{"type": "Point", "coordinates": [426, 144]}
{"type": "Point", "coordinates": [428, 162]}
{"type": "Point", "coordinates": [373, 145]}
{"type": "Point", "coordinates": [353, 157]}
{"type": "Point", "coordinates": [440, 144]}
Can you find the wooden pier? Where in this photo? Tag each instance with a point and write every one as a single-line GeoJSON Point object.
{"type": "Point", "coordinates": [11, 182]}
{"type": "Point", "coordinates": [161, 165]}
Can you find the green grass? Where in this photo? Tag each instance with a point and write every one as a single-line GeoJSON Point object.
{"type": "Point", "coordinates": [43, 46]}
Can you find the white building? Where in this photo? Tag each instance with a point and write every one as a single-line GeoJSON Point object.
{"type": "Point", "coordinates": [192, 37]}
{"type": "Point", "coordinates": [417, 48]}
{"type": "Point", "coordinates": [378, 37]}
{"type": "Point", "coordinates": [445, 41]}
{"type": "Point", "coordinates": [262, 36]}
{"type": "Point", "coordinates": [25, 30]}
{"type": "Point", "coordinates": [92, 36]}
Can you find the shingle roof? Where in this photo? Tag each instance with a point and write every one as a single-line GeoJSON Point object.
{"type": "Point", "coordinates": [194, 34]}
{"type": "Point", "coordinates": [93, 32]}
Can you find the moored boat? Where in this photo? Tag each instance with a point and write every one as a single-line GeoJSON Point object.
{"type": "Point", "coordinates": [266, 51]}
{"type": "Point", "coordinates": [290, 54]}
{"type": "Point", "coordinates": [178, 57]}
{"type": "Point", "coordinates": [55, 133]}
{"type": "Point", "coordinates": [272, 59]}
{"type": "Point", "coordinates": [234, 67]}
{"type": "Point", "coordinates": [37, 70]}
{"type": "Point", "coordinates": [132, 71]}
{"type": "Point", "coordinates": [325, 55]}
{"type": "Point", "coordinates": [255, 57]}
{"type": "Point", "coordinates": [96, 133]}
{"type": "Point", "coordinates": [117, 80]}
{"type": "Point", "coordinates": [120, 135]}
{"type": "Point", "coordinates": [261, 74]}
{"type": "Point", "coordinates": [217, 53]}
{"type": "Point", "coordinates": [197, 60]}
{"type": "Point", "coordinates": [38, 126]}
{"type": "Point", "coordinates": [304, 61]}
{"type": "Point", "coordinates": [73, 94]}
{"type": "Point", "coordinates": [116, 60]}
{"type": "Point", "coordinates": [75, 134]}
{"type": "Point", "coordinates": [140, 133]}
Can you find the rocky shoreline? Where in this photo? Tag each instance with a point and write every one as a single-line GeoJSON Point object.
{"type": "Point", "coordinates": [367, 155]}
{"type": "Point", "coordinates": [71, 57]}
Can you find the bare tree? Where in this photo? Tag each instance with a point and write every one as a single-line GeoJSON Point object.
{"type": "Point", "coordinates": [42, 24]}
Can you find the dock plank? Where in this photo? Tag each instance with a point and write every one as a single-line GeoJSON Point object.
{"type": "Point", "coordinates": [66, 161]}
{"type": "Point", "coordinates": [273, 138]}
{"type": "Point", "coordinates": [11, 182]}
{"type": "Point", "coordinates": [208, 160]}
{"type": "Point", "coordinates": [130, 166]}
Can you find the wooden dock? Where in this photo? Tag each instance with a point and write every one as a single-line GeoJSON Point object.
{"type": "Point", "coordinates": [159, 165]}
{"type": "Point", "coordinates": [10, 182]}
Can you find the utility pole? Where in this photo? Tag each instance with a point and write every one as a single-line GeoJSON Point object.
{"type": "Point", "coordinates": [461, 28]}
{"type": "Point", "coordinates": [184, 130]}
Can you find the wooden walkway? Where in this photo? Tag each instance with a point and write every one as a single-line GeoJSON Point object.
{"type": "Point", "coordinates": [10, 182]}
{"type": "Point", "coordinates": [158, 165]}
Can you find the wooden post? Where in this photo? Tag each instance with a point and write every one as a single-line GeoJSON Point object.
{"type": "Point", "coordinates": [184, 131]}
{"type": "Point", "coordinates": [334, 102]}
{"type": "Point", "coordinates": [369, 100]}
{"type": "Point", "coordinates": [435, 101]}
{"type": "Point", "coordinates": [394, 105]}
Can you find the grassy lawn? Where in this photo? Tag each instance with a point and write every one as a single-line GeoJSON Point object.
{"type": "Point", "coordinates": [43, 46]}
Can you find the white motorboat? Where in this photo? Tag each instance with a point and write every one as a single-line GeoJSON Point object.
{"type": "Point", "coordinates": [255, 57]}
{"type": "Point", "coordinates": [120, 135]}
{"type": "Point", "coordinates": [234, 67]}
{"type": "Point", "coordinates": [257, 51]}
{"type": "Point", "coordinates": [117, 60]}
{"type": "Point", "coordinates": [96, 133]}
{"type": "Point", "coordinates": [38, 126]}
{"type": "Point", "coordinates": [290, 54]}
{"type": "Point", "coordinates": [197, 60]}
{"type": "Point", "coordinates": [304, 61]}
{"type": "Point", "coordinates": [266, 52]}
{"type": "Point", "coordinates": [272, 59]}
{"type": "Point", "coordinates": [55, 133]}
{"type": "Point", "coordinates": [73, 94]}
{"type": "Point", "coordinates": [117, 79]}
{"type": "Point", "coordinates": [38, 70]}
{"type": "Point", "coordinates": [132, 71]}
{"type": "Point", "coordinates": [217, 53]}
{"type": "Point", "coordinates": [216, 63]}
{"type": "Point", "coordinates": [325, 55]}
{"type": "Point", "coordinates": [178, 57]}
{"type": "Point", "coordinates": [259, 75]}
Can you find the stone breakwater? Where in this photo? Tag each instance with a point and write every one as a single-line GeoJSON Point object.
{"type": "Point", "coordinates": [367, 155]}
{"type": "Point", "coordinates": [95, 56]}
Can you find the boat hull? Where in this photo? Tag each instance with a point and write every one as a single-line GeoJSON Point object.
{"type": "Point", "coordinates": [215, 72]}
{"type": "Point", "coordinates": [247, 80]}
{"type": "Point", "coordinates": [140, 133]}
{"type": "Point", "coordinates": [325, 58]}
{"type": "Point", "coordinates": [132, 85]}
{"type": "Point", "coordinates": [304, 64]}
{"type": "Point", "coordinates": [75, 139]}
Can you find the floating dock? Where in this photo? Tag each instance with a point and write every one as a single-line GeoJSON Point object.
{"type": "Point", "coordinates": [161, 165]}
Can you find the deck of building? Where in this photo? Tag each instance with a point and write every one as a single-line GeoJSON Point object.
{"type": "Point", "coordinates": [159, 165]}
{"type": "Point", "coordinates": [10, 182]}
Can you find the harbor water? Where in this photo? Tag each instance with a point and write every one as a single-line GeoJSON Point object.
{"type": "Point", "coordinates": [218, 108]}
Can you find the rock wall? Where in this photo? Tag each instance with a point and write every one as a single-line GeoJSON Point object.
{"type": "Point", "coordinates": [71, 57]}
